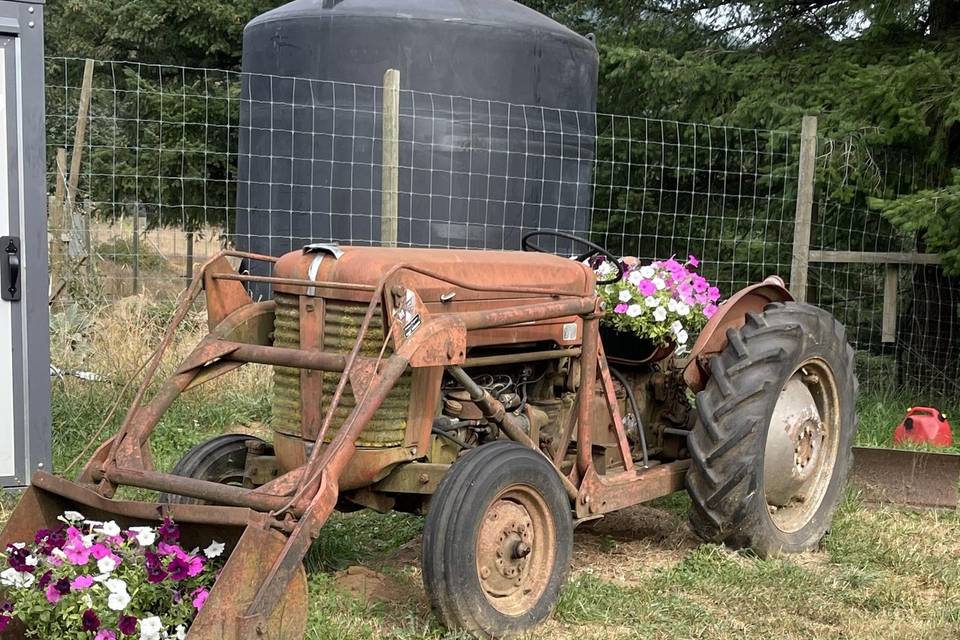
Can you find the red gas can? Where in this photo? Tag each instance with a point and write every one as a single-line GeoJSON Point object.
{"type": "Point", "coordinates": [924, 425]}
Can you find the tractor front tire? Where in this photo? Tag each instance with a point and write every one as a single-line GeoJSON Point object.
{"type": "Point", "coordinates": [497, 541]}
{"type": "Point", "coordinates": [220, 459]}
{"type": "Point", "coordinates": [772, 446]}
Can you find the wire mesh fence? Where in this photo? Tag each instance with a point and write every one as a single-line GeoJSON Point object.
{"type": "Point", "coordinates": [176, 162]}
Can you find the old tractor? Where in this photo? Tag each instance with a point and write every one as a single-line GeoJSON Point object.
{"type": "Point", "coordinates": [474, 387]}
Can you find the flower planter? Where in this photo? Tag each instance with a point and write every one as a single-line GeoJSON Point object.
{"type": "Point", "coordinates": [623, 347]}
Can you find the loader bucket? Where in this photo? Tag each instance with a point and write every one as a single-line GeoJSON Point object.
{"type": "Point", "coordinates": [253, 547]}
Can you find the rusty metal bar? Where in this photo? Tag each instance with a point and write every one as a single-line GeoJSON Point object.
{"type": "Point", "coordinates": [191, 487]}
{"type": "Point", "coordinates": [286, 357]}
{"type": "Point", "coordinates": [297, 282]}
{"type": "Point", "coordinates": [588, 385]}
{"type": "Point", "coordinates": [519, 358]}
{"type": "Point", "coordinates": [184, 513]}
{"type": "Point", "coordinates": [528, 313]}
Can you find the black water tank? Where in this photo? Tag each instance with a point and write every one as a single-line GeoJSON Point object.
{"type": "Point", "coordinates": [513, 151]}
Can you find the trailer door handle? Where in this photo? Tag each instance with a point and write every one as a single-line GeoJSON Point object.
{"type": "Point", "coordinates": [10, 273]}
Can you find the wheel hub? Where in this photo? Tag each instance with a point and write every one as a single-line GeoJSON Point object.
{"type": "Point", "coordinates": [801, 446]}
{"type": "Point", "coordinates": [794, 441]}
{"type": "Point", "coordinates": [504, 547]}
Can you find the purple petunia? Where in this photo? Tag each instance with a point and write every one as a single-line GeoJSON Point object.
{"type": "Point", "coordinates": [90, 620]}
{"type": "Point", "coordinates": [169, 532]}
{"type": "Point", "coordinates": [127, 625]}
{"type": "Point", "coordinates": [179, 569]}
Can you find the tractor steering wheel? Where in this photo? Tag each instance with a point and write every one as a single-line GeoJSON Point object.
{"type": "Point", "coordinates": [595, 249]}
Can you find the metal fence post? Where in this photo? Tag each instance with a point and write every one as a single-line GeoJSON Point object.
{"type": "Point", "coordinates": [391, 158]}
{"type": "Point", "coordinates": [801, 231]}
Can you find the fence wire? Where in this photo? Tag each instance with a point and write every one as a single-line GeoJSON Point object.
{"type": "Point", "coordinates": [177, 162]}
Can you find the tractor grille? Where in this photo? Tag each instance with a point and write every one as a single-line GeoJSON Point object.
{"type": "Point", "coordinates": [340, 328]}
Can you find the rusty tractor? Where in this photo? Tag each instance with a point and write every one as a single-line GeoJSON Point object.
{"type": "Point", "coordinates": [474, 387]}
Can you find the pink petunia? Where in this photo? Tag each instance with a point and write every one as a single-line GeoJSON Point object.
{"type": "Point", "coordinates": [620, 308]}
{"type": "Point", "coordinates": [673, 266]}
{"type": "Point", "coordinates": [195, 564]}
{"type": "Point", "coordinates": [77, 553]}
{"type": "Point", "coordinates": [647, 288]}
{"type": "Point", "coordinates": [53, 595]}
{"type": "Point", "coordinates": [81, 582]}
{"type": "Point", "coordinates": [685, 290]}
{"type": "Point", "coordinates": [710, 310]}
{"type": "Point", "coordinates": [166, 549]}
{"type": "Point", "coordinates": [713, 294]}
{"type": "Point", "coordinates": [200, 597]}
{"type": "Point", "coordinates": [692, 261]}
{"type": "Point", "coordinates": [700, 284]}
{"type": "Point", "coordinates": [105, 634]}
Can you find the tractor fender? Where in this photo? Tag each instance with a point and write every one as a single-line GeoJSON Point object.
{"type": "Point", "coordinates": [731, 315]}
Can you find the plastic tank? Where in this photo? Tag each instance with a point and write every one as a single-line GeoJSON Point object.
{"type": "Point", "coordinates": [476, 170]}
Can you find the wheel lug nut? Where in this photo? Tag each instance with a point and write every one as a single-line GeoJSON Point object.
{"type": "Point", "coordinates": [484, 573]}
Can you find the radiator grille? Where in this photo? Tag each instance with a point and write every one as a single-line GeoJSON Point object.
{"type": "Point", "coordinates": [341, 325]}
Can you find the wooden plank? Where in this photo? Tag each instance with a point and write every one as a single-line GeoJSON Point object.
{"type": "Point", "coordinates": [802, 226]}
{"type": "Point", "coordinates": [80, 134]}
{"type": "Point", "coordinates": [874, 257]}
{"type": "Point", "coordinates": [888, 332]}
{"type": "Point", "coordinates": [391, 158]}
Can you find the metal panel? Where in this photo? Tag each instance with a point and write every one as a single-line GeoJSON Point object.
{"type": "Point", "coordinates": [24, 337]}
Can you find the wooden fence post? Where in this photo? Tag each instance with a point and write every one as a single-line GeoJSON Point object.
{"type": "Point", "coordinates": [802, 226]}
{"type": "Point", "coordinates": [390, 166]}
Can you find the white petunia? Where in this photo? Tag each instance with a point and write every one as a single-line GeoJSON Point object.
{"type": "Point", "coordinates": [214, 550]}
{"type": "Point", "coordinates": [659, 283]}
{"type": "Point", "coordinates": [19, 545]}
{"type": "Point", "coordinates": [180, 632]}
{"type": "Point", "coordinates": [150, 628]}
{"type": "Point", "coordinates": [109, 529]}
{"type": "Point", "coordinates": [31, 561]}
{"type": "Point", "coordinates": [682, 336]}
{"type": "Point", "coordinates": [672, 305]}
{"type": "Point", "coordinates": [683, 309]}
{"type": "Point", "coordinates": [146, 536]}
{"type": "Point", "coordinates": [677, 326]}
{"type": "Point", "coordinates": [16, 579]}
{"type": "Point", "coordinates": [118, 601]}
{"type": "Point", "coordinates": [116, 585]}
{"type": "Point", "coordinates": [625, 295]}
{"type": "Point", "coordinates": [659, 314]}
{"type": "Point", "coordinates": [647, 272]}
{"type": "Point", "coordinates": [59, 554]}
{"type": "Point", "coordinates": [106, 564]}
{"type": "Point", "coordinates": [72, 516]}
{"type": "Point", "coordinates": [651, 302]}
{"type": "Point", "coordinates": [634, 278]}
{"type": "Point", "coordinates": [634, 310]}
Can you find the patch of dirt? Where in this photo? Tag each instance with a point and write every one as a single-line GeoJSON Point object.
{"type": "Point", "coordinates": [368, 584]}
{"type": "Point", "coordinates": [626, 546]}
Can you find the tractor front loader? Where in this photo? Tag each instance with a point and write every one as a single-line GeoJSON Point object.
{"type": "Point", "coordinates": [474, 387]}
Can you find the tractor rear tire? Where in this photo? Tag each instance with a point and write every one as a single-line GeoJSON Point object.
{"type": "Point", "coordinates": [772, 446]}
{"type": "Point", "coordinates": [497, 541]}
{"type": "Point", "coordinates": [221, 459]}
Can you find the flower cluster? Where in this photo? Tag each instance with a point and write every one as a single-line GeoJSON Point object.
{"type": "Point", "coordinates": [90, 579]}
{"type": "Point", "coordinates": [666, 301]}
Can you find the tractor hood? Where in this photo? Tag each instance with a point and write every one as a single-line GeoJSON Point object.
{"type": "Point", "coordinates": [484, 271]}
